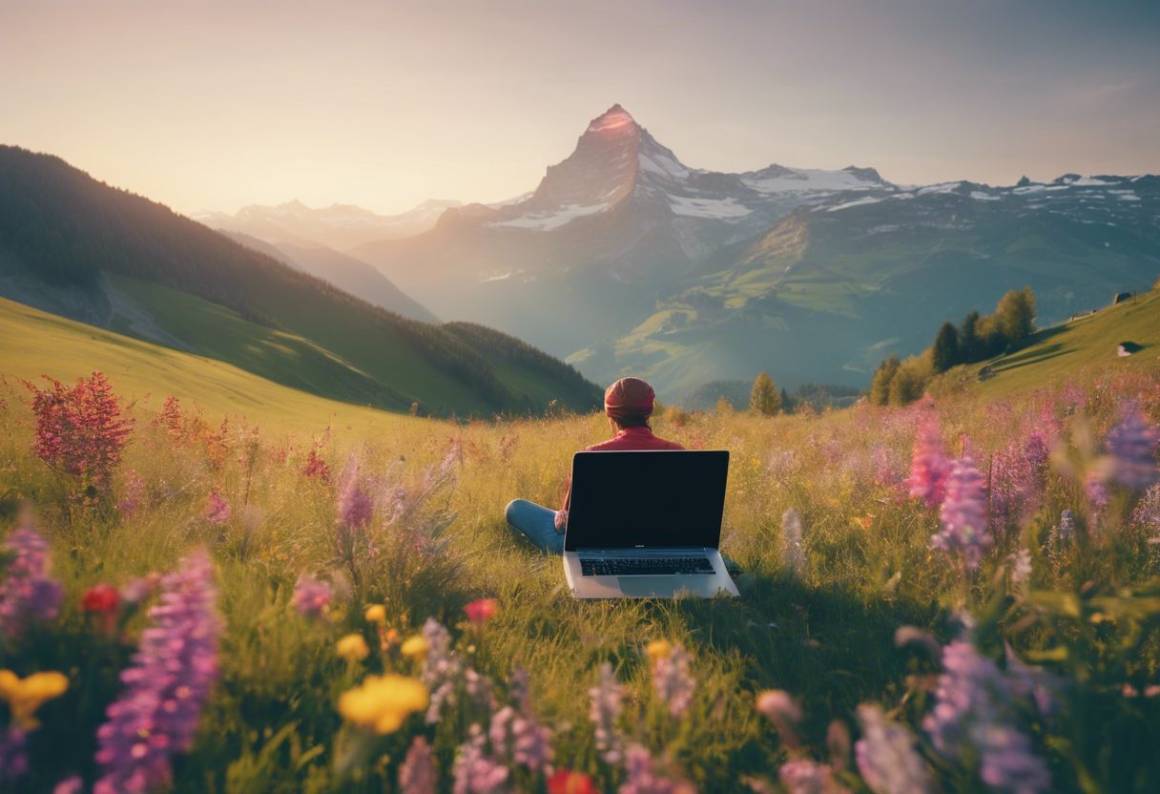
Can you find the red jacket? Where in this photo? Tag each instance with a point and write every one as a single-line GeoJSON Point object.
{"type": "Point", "coordinates": [630, 438]}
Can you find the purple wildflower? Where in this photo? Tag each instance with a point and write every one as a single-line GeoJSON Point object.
{"type": "Point", "coordinates": [973, 708]}
{"type": "Point", "coordinates": [311, 596]}
{"type": "Point", "coordinates": [217, 508]}
{"type": "Point", "coordinates": [417, 774]}
{"type": "Point", "coordinates": [1132, 444]}
{"type": "Point", "coordinates": [132, 496]}
{"type": "Point", "coordinates": [887, 757]}
{"type": "Point", "coordinates": [522, 738]}
{"type": "Point", "coordinates": [1095, 487]}
{"type": "Point", "coordinates": [355, 507]}
{"type": "Point", "coordinates": [475, 772]}
{"type": "Point", "coordinates": [442, 669]}
{"type": "Point", "coordinates": [166, 685]}
{"type": "Point", "coordinates": [643, 778]}
{"type": "Point", "coordinates": [928, 466]}
{"type": "Point", "coordinates": [1146, 514]}
{"type": "Point", "coordinates": [673, 681]}
{"type": "Point", "coordinates": [28, 593]}
{"type": "Point", "coordinates": [803, 776]}
{"type": "Point", "coordinates": [607, 703]}
{"type": "Point", "coordinates": [13, 754]}
{"type": "Point", "coordinates": [964, 514]}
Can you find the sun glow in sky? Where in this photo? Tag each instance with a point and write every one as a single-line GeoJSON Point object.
{"type": "Point", "coordinates": [214, 105]}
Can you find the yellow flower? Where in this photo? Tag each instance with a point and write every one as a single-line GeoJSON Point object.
{"type": "Point", "coordinates": [659, 649]}
{"type": "Point", "coordinates": [25, 695]}
{"type": "Point", "coordinates": [376, 613]}
{"type": "Point", "coordinates": [353, 648]}
{"type": "Point", "coordinates": [382, 703]}
{"type": "Point", "coordinates": [416, 647]}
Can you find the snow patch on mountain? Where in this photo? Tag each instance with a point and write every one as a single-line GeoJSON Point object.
{"type": "Point", "coordinates": [546, 221]}
{"type": "Point", "coordinates": [855, 203]}
{"type": "Point", "coordinates": [797, 180]}
{"type": "Point", "coordinates": [720, 208]}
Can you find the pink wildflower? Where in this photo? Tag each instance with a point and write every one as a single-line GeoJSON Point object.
{"type": "Point", "coordinates": [481, 610]}
{"type": "Point", "coordinates": [417, 774]}
{"type": "Point", "coordinates": [1132, 445]}
{"type": "Point", "coordinates": [311, 596]}
{"type": "Point", "coordinates": [28, 593]}
{"type": "Point", "coordinates": [929, 466]}
{"type": "Point", "coordinates": [217, 508]}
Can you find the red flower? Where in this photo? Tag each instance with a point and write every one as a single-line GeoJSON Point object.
{"type": "Point", "coordinates": [567, 782]}
{"type": "Point", "coordinates": [101, 598]}
{"type": "Point", "coordinates": [481, 610]}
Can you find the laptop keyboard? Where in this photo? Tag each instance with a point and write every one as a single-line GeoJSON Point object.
{"type": "Point", "coordinates": [644, 566]}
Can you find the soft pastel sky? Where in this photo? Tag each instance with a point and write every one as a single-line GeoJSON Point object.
{"type": "Point", "coordinates": [213, 105]}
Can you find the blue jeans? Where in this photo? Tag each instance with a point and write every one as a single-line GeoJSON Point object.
{"type": "Point", "coordinates": [537, 523]}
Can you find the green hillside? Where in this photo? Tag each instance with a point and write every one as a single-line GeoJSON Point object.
{"type": "Point", "coordinates": [1073, 350]}
{"type": "Point", "coordinates": [35, 343]}
{"type": "Point", "coordinates": [77, 247]}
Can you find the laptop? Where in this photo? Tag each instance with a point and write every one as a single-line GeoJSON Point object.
{"type": "Point", "coordinates": [647, 525]}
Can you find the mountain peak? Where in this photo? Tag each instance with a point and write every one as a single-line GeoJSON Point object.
{"type": "Point", "coordinates": [613, 121]}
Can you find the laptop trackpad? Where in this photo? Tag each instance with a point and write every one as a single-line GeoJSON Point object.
{"type": "Point", "coordinates": [644, 586]}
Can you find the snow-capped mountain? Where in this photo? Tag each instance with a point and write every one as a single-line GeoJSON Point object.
{"type": "Point", "coordinates": [339, 226]}
{"type": "Point", "coordinates": [625, 259]}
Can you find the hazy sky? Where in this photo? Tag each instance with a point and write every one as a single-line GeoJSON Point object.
{"type": "Point", "coordinates": [212, 105]}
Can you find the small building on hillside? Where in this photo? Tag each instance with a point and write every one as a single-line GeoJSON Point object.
{"type": "Point", "coordinates": [1120, 297]}
{"type": "Point", "coordinates": [1126, 349]}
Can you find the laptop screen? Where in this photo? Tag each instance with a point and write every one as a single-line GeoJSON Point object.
{"type": "Point", "coordinates": [624, 500]}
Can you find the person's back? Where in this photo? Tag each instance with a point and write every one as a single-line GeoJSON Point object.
{"type": "Point", "coordinates": [629, 404]}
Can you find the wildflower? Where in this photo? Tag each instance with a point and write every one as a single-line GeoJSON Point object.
{"type": "Point", "coordinates": [929, 466]}
{"type": "Point", "coordinates": [70, 785]}
{"type": "Point", "coordinates": [783, 711]}
{"type": "Point", "coordinates": [101, 598]}
{"type": "Point", "coordinates": [886, 756]}
{"type": "Point", "coordinates": [658, 649]}
{"type": "Point", "coordinates": [133, 495]}
{"type": "Point", "coordinates": [793, 551]}
{"type": "Point", "coordinates": [311, 596]}
{"type": "Point", "coordinates": [27, 593]}
{"type": "Point", "coordinates": [13, 753]}
{"type": "Point", "coordinates": [963, 514]}
{"type": "Point", "coordinates": [442, 669]}
{"type": "Point", "coordinates": [528, 742]}
{"type": "Point", "coordinates": [672, 680]}
{"type": "Point", "coordinates": [137, 590]}
{"type": "Point", "coordinates": [642, 777]}
{"type": "Point", "coordinates": [316, 468]}
{"type": "Point", "coordinates": [415, 647]}
{"type": "Point", "coordinates": [25, 695]}
{"type": "Point", "coordinates": [417, 774]}
{"type": "Point", "coordinates": [1132, 445]}
{"type": "Point", "coordinates": [565, 781]}
{"type": "Point", "coordinates": [166, 685]}
{"type": "Point", "coordinates": [973, 708]}
{"type": "Point", "coordinates": [1095, 488]}
{"type": "Point", "coordinates": [80, 430]}
{"type": "Point", "coordinates": [1146, 514]}
{"type": "Point", "coordinates": [217, 508]}
{"type": "Point", "coordinates": [376, 613]}
{"type": "Point", "coordinates": [355, 508]}
{"type": "Point", "coordinates": [474, 771]}
{"type": "Point", "coordinates": [382, 703]}
{"type": "Point", "coordinates": [607, 703]}
{"type": "Point", "coordinates": [803, 776]}
{"type": "Point", "coordinates": [1020, 562]}
{"type": "Point", "coordinates": [353, 648]}
{"type": "Point", "coordinates": [481, 610]}
{"type": "Point", "coordinates": [1065, 530]}
{"type": "Point", "coordinates": [838, 743]}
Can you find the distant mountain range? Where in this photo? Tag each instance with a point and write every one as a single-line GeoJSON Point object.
{"type": "Point", "coordinates": [79, 248]}
{"type": "Point", "coordinates": [626, 260]}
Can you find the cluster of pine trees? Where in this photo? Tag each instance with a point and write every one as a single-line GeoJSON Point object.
{"type": "Point", "coordinates": [898, 382]}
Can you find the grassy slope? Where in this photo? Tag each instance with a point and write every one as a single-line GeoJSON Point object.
{"type": "Point", "coordinates": [1074, 348]}
{"type": "Point", "coordinates": [33, 343]}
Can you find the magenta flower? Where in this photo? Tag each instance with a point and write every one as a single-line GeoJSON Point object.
{"type": "Point", "coordinates": [964, 514]}
{"type": "Point", "coordinates": [928, 466]}
{"type": "Point", "coordinates": [27, 594]}
{"type": "Point", "coordinates": [418, 774]}
{"type": "Point", "coordinates": [643, 778]}
{"type": "Point", "coordinates": [442, 669]}
{"type": "Point", "coordinates": [1132, 445]}
{"type": "Point", "coordinates": [355, 507]}
{"type": "Point", "coordinates": [311, 596]}
{"type": "Point", "coordinates": [166, 685]}
{"type": "Point", "coordinates": [607, 699]}
{"type": "Point", "coordinates": [217, 508]}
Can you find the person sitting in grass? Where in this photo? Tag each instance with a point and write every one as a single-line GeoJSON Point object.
{"type": "Point", "coordinates": [629, 404]}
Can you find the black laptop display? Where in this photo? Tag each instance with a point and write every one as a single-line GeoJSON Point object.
{"type": "Point", "coordinates": [624, 500]}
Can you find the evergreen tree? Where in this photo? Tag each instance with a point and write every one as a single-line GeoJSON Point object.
{"type": "Point", "coordinates": [787, 403]}
{"type": "Point", "coordinates": [945, 353]}
{"type": "Point", "coordinates": [764, 398]}
{"type": "Point", "coordinates": [970, 344]}
{"type": "Point", "coordinates": [880, 385]}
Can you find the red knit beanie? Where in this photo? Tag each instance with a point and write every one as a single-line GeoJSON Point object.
{"type": "Point", "coordinates": [629, 397]}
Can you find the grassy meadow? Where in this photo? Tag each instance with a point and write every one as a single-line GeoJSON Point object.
{"type": "Point", "coordinates": [407, 513]}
